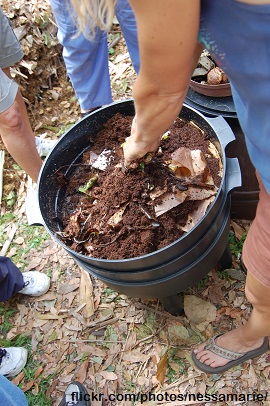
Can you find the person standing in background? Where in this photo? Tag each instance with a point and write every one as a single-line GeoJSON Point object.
{"type": "Point", "coordinates": [15, 128]}
{"type": "Point", "coordinates": [86, 55]}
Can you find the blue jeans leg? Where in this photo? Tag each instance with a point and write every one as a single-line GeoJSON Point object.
{"type": "Point", "coordinates": [11, 279]}
{"type": "Point", "coordinates": [86, 61]}
{"type": "Point", "coordinates": [128, 25]}
{"type": "Point", "coordinates": [10, 394]}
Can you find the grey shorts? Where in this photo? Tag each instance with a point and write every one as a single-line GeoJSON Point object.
{"type": "Point", "coordinates": [10, 53]}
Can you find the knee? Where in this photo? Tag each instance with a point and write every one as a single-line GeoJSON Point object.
{"type": "Point", "coordinates": [11, 121]}
{"type": "Point", "coordinates": [260, 302]}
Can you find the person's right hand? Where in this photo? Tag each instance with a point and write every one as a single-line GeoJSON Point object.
{"type": "Point", "coordinates": [137, 145]}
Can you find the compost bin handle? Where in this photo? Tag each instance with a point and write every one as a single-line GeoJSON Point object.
{"type": "Point", "coordinates": [233, 174]}
{"type": "Point", "coordinates": [223, 130]}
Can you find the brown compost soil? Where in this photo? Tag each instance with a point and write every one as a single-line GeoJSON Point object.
{"type": "Point", "coordinates": [115, 218]}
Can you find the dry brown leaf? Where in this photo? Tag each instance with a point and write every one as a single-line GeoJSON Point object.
{"type": "Point", "coordinates": [178, 333]}
{"type": "Point", "coordinates": [33, 264]}
{"type": "Point", "coordinates": [19, 240]}
{"type": "Point", "coordinates": [48, 296]}
{"type": "Point", "coordinates": [47, 316]}
{"type": "Point", "coordinates": [18, 378]}
{"type": "Point", "coordinates": [238, 230]}
{"type": "Point", "coordinates": [69, 368]}
{"type": "Point", "coordinates": [109, 376]}
{"type": "Point", "coordinates": [34, 342]}
{"type": "Point", "coordinates": [82, 372]}
{"type": "Point", "coordinates": [142, 380]}
{"type": "Point", "coordinates": [67, 288]}
{"type": "Point", "coordinates": [235, 314]}
{"type": "Point", "coordinates": [250, 376]}
{"type": "Point", "coordinates": [91, 350]}
{"type": "Point", "coordinates": [86, 294]}
{"type": "Point", "coordinates": [28, 385]}
{"type": "Point", "coordinates": [38, 371]}
{"type": "Point", "coordinates": [198, 310]}
{"type": "Point", "coordinates": [135, 356]}
{"type": "Point", "coordinates": [131, 341]}
{"type": "Point", "coordinates": [161, 368]}
{"type": "Point", "coordinates": [117, 217]}
{"type": "Point", "coordinates": [216, 294]}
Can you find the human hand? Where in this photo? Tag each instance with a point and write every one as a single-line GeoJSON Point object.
{"type": "Point", "coordinates": [137, 146]}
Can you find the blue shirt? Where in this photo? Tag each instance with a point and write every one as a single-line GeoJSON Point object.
{"type": "Point", "coordinates": [238, 37]}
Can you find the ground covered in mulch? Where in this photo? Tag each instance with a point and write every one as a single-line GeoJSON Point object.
{"type": "Point", "coordinates": [81, 329]}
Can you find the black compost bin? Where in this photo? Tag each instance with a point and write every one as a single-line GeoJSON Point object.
{"type": "Point", "coordinates": [173, 268]}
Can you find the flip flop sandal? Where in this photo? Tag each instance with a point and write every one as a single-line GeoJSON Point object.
{"type": "Point", "coordinates": [234, 358]}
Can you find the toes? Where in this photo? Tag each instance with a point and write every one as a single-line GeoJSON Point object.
{"type": "Point", "coordinates": [208, 358]}
{"type": "Point", "coordinates": [199, 348]}
{"type": "Point", "coordinates": [203, 356]}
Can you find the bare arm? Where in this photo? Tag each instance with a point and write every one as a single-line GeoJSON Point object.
{"type": "Point", "coordinates": [18, 137]}
{"type": "Point", "coordinates": [167, 33]}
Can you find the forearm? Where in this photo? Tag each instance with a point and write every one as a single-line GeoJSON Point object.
{"type": "Point", "coordinates": [167, 33]}
{"type": "Point", "coordinates": [155, 109]}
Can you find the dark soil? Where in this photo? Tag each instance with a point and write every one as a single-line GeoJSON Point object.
{"type": "Point", "coordinates": [88, 226]}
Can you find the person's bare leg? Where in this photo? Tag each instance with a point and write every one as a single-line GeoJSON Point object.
{"type": "Point", "coordinates": [249, 336]}
{"type": "Point", "coordinates": [18, 137]}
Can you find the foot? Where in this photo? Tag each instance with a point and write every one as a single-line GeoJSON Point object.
{"type": "Point", "coordinates": [86, 113]}
{"type": "Point", "coordinates": [12, 361]}
{"type": "Point", "coordinates": [231, 341]}
{"type": "Point", "coordinates": [44, 146]}
{"type": "Point", "coordinates": [76, 395]}
{"type": "Point", "coordinates": [35, 283]}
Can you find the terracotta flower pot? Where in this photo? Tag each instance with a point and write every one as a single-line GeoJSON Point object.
{"type": "Point", "coordinates": [221, 90]}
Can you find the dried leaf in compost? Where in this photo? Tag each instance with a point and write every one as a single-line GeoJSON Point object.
{"type": "Point", "coordinates": [195, 193]}
{"type": "Point", "coordinates": [169, 201]}
{"type": "Point", "coordinates": [117, 216]}
{"type": "Point", "coordinates": [197, 214]}
{"type": "Point", "coordinates": [181, 163]}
